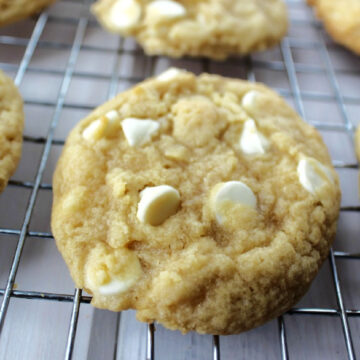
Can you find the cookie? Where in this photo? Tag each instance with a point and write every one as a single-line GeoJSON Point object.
{"type": "Point", "coordinates": [341, 19]}
{"type": "Point", "coordinates": [210, 28]}
{"type": "Point", "coordinates": [11, 127]}
{"type": "Point", "coordinates": [357, 143]}
{"type": "Point", "coordinates": [205, 203]}
{"type": "Point", "coordinates": [14, 10]}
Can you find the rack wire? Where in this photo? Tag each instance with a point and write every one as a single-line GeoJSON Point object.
{"type": "Point", "coordinates": [249, 68]}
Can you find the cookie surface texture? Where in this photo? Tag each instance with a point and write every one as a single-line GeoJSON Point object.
{"type": "Point", "coordinates": [11, 128]}
{"type": "Point", "coordinates": [205, 203]}
{"type": "Point", "coordinates": [14, 10]}
{"type": "Point", "coordinates": [211, 28]}
{"type": "Point", "coordinates": [341, 19]}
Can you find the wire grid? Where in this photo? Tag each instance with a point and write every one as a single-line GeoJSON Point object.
{"type": "Point", "coordinates": [287, 65]}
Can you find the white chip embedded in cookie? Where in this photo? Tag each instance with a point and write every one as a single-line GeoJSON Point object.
{"type": "Point", "coordinates": [252, 142]}
{"type": "Point", "coordinates": [312, 174]}
{"type": "Point", "coordinates": [102, 127]}
{"type": "Point", "coordinates": [125, 14]}
{"type": "Point", "coordinates": [95, 130]}
{"type": "Point", "coordinates": [112, 116]}
{"type": "Point", "coordinates": [139, 131]}
{"type": "Point", "coordinates": [101, 279]}
{"type": "Point", "coordinates": [191, 204]}
{"type": "Point", "coordinates": [164, 10]}
{"type": "Point", "coordinates": [250, 100]}
{"type": "Point", "coordinates": [215, 29]}
{"type": "Point", "coordinates": [157, 204]}
{"type": "Point", "coordinates": [169, 74]}
{"type": "Point", "coordinates": [231, 192]}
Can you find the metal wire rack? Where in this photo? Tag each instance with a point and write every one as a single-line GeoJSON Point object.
{"type": "Point", "coordinates": [329, 65]}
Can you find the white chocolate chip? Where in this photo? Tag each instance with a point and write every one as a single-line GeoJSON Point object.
{"type": "Point", "coordinates": [102, 126]}
{"type": "Point", "coordinates": [94, 131]}
{"type": "Point", "coordinates": [250, 99]}
{"type": "Point", "coordinates": [157, 204]}
{"type": "Point", "coordinates": [115, 287]}
{"type": "Point", "coordinates": [235, 192]}
{"type": "Point", "coordinates": [163, 10]}
{"type": "Point", "coordinates": [138, 131]}
{"type": "Point", "coordinates": [113, 116]}
{"type": "Point", "coordinates": [252, 142]}
{"type": "Point", "coordinates": [312, 174]}
{"type": "Point", "coordinates": [113, 274]}
{"type": "Point", "coordinates": [125, 14]}
{"type": "Point", "coordinates": [169, 74]}
{"type": "Point", "coordinates": [112, 123]}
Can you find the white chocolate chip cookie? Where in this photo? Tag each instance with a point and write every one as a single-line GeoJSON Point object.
{"type": "Point", "coordinates": [204, 203]}
{"type": "Point", "coordinates": [211, 28]}
{"type": "Point", "coordinates": [14, 10]}
{"type": "Point", "coordinates": [341, 19]}
{"type": "Point", "coordinates": [357, 142]}
{"type": "Point", "coordinates": [11, 128]}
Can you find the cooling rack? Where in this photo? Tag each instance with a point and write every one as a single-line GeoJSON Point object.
{"type": "Point", "coordinates": [65, 65]}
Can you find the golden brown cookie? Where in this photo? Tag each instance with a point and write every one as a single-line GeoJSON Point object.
{"type": "Point", "coordinates": [14, 10]}
{"type": "Point", "coordinates": [341, 19]}
{"type": "Point", "coordinates": [11, 127]}
{"type": "Point", "coordinates": [357, 142]}
{"type": "Point", "coordinates": [211, 28]}
{"type": "Point", "coordinates": [205, 203]}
